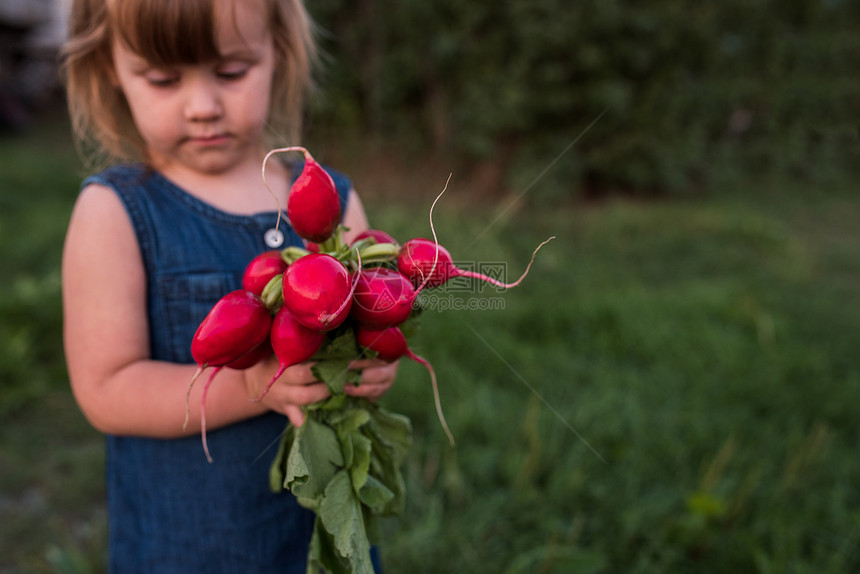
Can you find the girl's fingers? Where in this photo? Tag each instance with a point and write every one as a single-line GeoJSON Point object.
{"type": "Point", "coordinates": [306, 394]}
{"type": "Point", "coordinates": [295, 414]}
{"type": "Point", "coordinates": [376, 378]}
{"type": "Point", "coordinates": [361, 364]}
{"type": "Point", "coordinates": [372, 394]}
{"type": "Point", "coordinates": [297, 387]}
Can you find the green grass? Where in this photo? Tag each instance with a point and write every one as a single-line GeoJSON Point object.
{"type": "Point", "coordinates": [38, 182]}
{"type": "Point", "coordinates": [51, 484]}
{"type": "Point", "coordinates": [674, 388]}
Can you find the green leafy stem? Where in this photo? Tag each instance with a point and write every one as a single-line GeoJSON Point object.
{"type": "Point", "coordinates": [344, 464]}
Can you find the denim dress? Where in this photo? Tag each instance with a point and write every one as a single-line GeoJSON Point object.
{"type": "Point", "coordinates": [169, 510]}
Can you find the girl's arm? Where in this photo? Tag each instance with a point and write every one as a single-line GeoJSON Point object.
{"type": "Point", "coordinates": [118, 387]}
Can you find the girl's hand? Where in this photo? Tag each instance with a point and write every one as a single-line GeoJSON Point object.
{"type": "Point", "coordinates": [295, 388]}
{"type": "Point", "coordinates": [376, 378]}
{"type": "Point", "coordinates": [298, 387]}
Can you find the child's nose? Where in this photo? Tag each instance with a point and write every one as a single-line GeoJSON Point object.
{"type": "Point", "coordinates": [203, 102]}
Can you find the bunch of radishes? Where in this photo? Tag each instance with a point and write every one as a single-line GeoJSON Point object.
{"type": "Point", "coordinates": [331, 302]}
{"type": "Point", "coordinates": [294, 298]}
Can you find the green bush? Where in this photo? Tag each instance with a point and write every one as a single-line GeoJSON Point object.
{"type": "Point", "coordinates": [687, 95]}
{"type": "Point", "coordinates": [37, 188]}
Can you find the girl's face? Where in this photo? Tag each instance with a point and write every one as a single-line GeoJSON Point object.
{"type": "Point", "coordinates": [208, 117]}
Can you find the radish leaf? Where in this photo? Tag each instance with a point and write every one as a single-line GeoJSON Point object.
{"type": "Point", "coordinates": [313, 460]}
{"type": "Point", "coordinates": [342, 516]}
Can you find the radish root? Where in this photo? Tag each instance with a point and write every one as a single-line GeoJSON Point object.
{"type": "Point", "coordinates": [197, 374]}
{"type": "Point", "coordinates": [203, 414]}
{"type": "Point", "coordinates": [435, 240]}
{"type": "Point", "coordinates": [438, 401]}
{"type": "Point", "coordinates": [496, 282]}
{"type": "Point", "coordinates": [266, 183]}
{"type": "Point", "coordinates": [265, 392]}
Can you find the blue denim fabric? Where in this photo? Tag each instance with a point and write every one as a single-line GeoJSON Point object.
{"type": "Point", "coordinates": [169, 510]}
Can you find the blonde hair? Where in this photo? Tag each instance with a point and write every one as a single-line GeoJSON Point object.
{"type": "Point", "coordinates": [170, 32]}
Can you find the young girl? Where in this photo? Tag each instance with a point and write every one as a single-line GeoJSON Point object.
{"type": "Point", "coordinates": [179, 95]}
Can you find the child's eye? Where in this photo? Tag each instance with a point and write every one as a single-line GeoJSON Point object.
{"type": "Point", "coordinates": [232, 71]}
{"type": "Point", "coordinates": [161, 79]}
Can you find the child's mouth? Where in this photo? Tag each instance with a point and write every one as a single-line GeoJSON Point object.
{"type": "Point", "coordinates": [210, 140]}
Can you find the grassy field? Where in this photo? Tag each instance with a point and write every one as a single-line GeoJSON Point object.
{"type": "Point", "coordinates": [674, 388]}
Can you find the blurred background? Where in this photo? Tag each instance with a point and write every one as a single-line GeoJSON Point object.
{"type": "Point", "coordinates": [31, 31]}
{"type": "Point", "coordinates": [674, 388]}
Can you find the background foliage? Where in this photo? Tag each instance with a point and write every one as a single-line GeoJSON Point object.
{"type": "Point", "coordinates": [675, 386]}
{"type": "Point", "coordinates": [686, 93]}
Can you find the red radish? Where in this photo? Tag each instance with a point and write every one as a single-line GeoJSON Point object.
{"type": "Point", "coordinates": [417, 257]}
{"type": "Point", "coordinates": [318, 291]}
{"type": "Point", "coordinates": [313, 247]}
{"type": "Point", "coordinates": [376, 234]}
{"type": "Point", "coordinates": [383, 298]}
{"type": "Point", "coordinates": [236, 326]}
{"type": "Point", "coordinates": [390, 345]}
{"type": "Point", "coordinates": [313, 205]}
{"type": "Point", "coordinates": [262, 351]}
{"type": "Point", "coordinates": [292, 342]}
{"type": "Point", "coordinates": [261, 270]}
